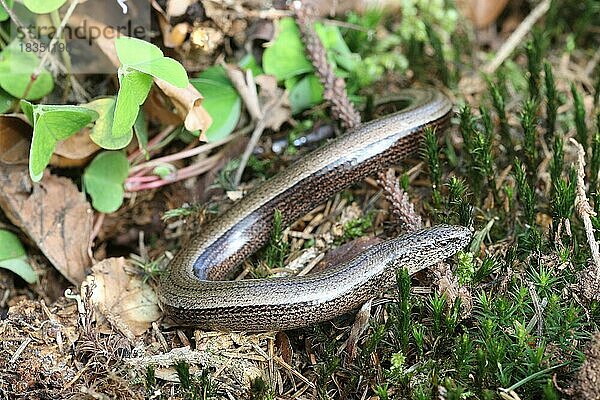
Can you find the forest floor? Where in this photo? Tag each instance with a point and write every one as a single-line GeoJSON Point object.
{"type": "Point", "coordinates": [513, 316]}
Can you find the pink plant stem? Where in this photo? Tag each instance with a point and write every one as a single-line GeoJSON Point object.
{"type": "Point", "coordinates": [97, 226]}
{"type": "Point", "coordinates": [181, 155]}
{"type": "Point", "coordinates": [184, 173]}
{"type": "Point", "coordinates": [142, 179]}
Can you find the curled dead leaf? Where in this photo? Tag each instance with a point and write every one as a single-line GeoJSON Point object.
{"type": "Point", "coordinates": [188, 103]}
{"type": "Point", "coordinates": [157, 109]}
{"type": "Point", "coordinates": [122, 299]}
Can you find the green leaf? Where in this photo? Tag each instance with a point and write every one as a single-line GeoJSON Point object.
{"type": "Point", "coordinates": [140, 61]}
{"type": "Point", "coordinates": [336, 46]}
{"type": "Point", "coordinates": [147, 58]}
{"type": "Point", "coordinates": [27, 108]}
{"type": "Point", "coordinates": [104, 178]}
{"type": "Point", "coordinates": [132, 51]}
{"type": "Point", "coordinates": [221, 101]}
{"type": "Point", "coordinates": [3, 13]}
{"type": "Point", "coordinates": [20, 267]}
{"type": "Point", "coordinates": [285, 57]}
{"type": "Point", "coordinates": [133, 91]}
{"type": "Point", "coordinates": [6, 101]}
{"type": "Point", "coordinates": [216, 74]}
{"type": "Point", "coordinates": [50, 125]}
{"type": "Point", "coordinates": [305, 94]}
{"type": "Point", "coordinates": [10, 246]}
{"type": "Point", "coordinates": [16, 69]}
{"type": "Point", "coordinates": [43, 6]}
{"type": "Point", "coordinates": [166, 69]}
{"type": "Point", "coordinates": [14, 258]}
{"type": "Point", "coordinates": [101, 133]}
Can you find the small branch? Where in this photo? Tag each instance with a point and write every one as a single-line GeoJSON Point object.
{"type": "Point", "coordinates": [258, 130]}
{"type": "Point", "coordinates": [517, 37]}
{"type": "Point", "coordinates": [582, 205]}
{"type": "Point", "coordinates": [181, 155]}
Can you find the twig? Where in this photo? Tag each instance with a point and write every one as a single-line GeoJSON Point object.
{"type": "Point", "coordinates": [582, 205]}
{"type": "Point", "coordinates": [258, 130]}
{"type": "Point", "coordinates": [17, 21]}
{"type": "Point", "coordinates": [246, 86]}
{"type": "Point", "coordinates": [517, 37]}
{"type": "Point", "coordinates": [591, 65]}
{"type": "Point", "coordinates": [182, 154]}
{"type": "Point", "coordinates": [20, 350]}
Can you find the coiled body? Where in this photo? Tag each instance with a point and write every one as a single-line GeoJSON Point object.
{"type": "Point", "coordinates": [194, 290]}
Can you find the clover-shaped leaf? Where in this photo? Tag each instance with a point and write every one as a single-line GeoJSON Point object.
{"type": "Point", "coordinates": [103, 180]}
{"type": "Point", "coordinates": [52, 124]}
{"type": "Point", "coordinates": [16, 69]}
{"type": "Point", "coordinates": [134, 89]}
{"type": "Point", "coordinates": [102, 132]}
{"type": "Point", "coordinates": [285, 57]}
{"type": "Point", "coordinates": [140, 61]}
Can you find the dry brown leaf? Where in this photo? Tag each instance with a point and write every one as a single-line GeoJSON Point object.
{"type": "Point", "coordinates": [54, 214]}
{"type": "Point", "coordinates": [123, 300]}
{"type": "Point", "coordinates": [245, 84]}
{"type": "Point", "coordinates": [158, 111]}
{"type": "Point", "coordinates": [274, 102]}
{"type": "Point", "coordinates": [78, 147]}
{"type": "Point", "coordinates": [15, 137]}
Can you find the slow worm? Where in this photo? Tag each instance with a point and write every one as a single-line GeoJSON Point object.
{"type": "Point", "coordinates": [195, 289]}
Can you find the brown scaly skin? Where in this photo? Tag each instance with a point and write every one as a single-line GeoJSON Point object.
{"type": "Point", "coordinates": [194, 290]}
